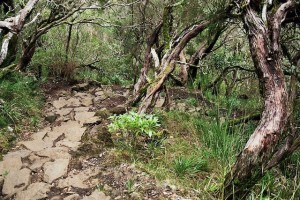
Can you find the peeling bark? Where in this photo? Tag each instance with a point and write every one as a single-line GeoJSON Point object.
{"type": "Point", "coordinates": [183, 75]}
{"type": "Point", "coordinates": [267, 57]}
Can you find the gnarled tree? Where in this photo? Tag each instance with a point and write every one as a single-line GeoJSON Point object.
{"type": "Point", "coordinates": [263, 30]}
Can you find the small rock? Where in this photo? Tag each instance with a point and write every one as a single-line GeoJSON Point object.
{"type": "Point", "coordinates": [38, 163]}
{"type": "Point", "coordinates": [100, 93]}
{"type": "Point", "coordinates": [55, 170]}
{"type": "Point", "coordinates": [34, 191]}
{"type": "Point", "coordinates": [81, 87]}
{"type": "Point", "coordinates": [107, 188]}
{"type": "Point", "coordinates": [135, 195]}
{"type": "Point", "coordinates": [41, 134]}
{"type": "Point", "coordinates": [88, 101]}
{"type": "Point", "coordinates": [51, 117]}
{"type": "Point", "coordinates": [160, 102]}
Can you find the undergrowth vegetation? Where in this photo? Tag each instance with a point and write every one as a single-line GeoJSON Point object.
{"type": "Point", "coordinates": [197, 152]}
{"type": "Point", "coordinates": [20, 107]}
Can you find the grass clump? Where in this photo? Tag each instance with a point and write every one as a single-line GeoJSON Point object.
{"type": "Point", "coordinates": [189, 165]}
{"type": "Point", "coordinates": [20, 106]}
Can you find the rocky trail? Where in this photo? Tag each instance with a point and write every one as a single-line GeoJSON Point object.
{"type": "Point", "coordinates": [68, 158]}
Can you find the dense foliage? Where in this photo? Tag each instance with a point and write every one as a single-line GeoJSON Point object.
{"type": "Point", "coordinates": [205, 76]}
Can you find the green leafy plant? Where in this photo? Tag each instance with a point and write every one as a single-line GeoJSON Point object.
{"type": "Point", "coordinates": [133, 125]}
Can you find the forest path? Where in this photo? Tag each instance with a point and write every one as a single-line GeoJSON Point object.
{"type": "Point", "coordinates": [73, 158]}
{"type": "Point", "coordinates": [41, 167]}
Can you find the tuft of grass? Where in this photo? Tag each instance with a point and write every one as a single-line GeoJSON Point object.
{"type": "Point", "coordinates": [192, 102]}
{"type": "Point", "coordinates": [189, 165]}
{"type": "Point", "coordinates": [130, 185]}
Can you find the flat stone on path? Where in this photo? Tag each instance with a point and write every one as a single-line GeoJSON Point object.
{"type": "Point", "coordinates": [55, 153]}
{"type": "Point", "coordinates": [92, 121]}
{"type": "Point", "coordinates": [34, 191]}
{"type": "Point", "coordinates": [52, 136]}
{"type": "Point", "coordinates": [64, 111]}
{"type": "Point", "coordinates": [41, 134]}
{"type": "Point", "coordinates": [16, 181]}
{"type": "Point", "coordinates": [97, 195]}
{"type": "Point", "coordinates": [47, 156]}
{"type": "Point", "coordinates": [81, 109]}
{"type": "Point", "coordinates": [10, 164]}
{"type": "Point", "coordinates": [21, 153]}
{"type": "Point", "coordinates": [66, 143]}
{"type": "Point", "coordinates": [73, 102]}
{"type": "Point", "coordinates": [73, 130]}
{"type": "Point", "coordinates": [37, 162]}
{"type": "Point", "coordinates": [88, 101]}
{"type": "Point", "coordinates": [36, 145]}
{"type": "Point", "coordinates": [78, 180]}
{"type": "Point", "coordinates": [55, 170]}
{"type": "Point", "coordinates": [83, 116]}
{"type": "Point", "coordinates": [61, 102]}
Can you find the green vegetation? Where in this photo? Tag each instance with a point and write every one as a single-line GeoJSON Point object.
{"type": "Point", "coordinates": [196, 77]}
{"type": "Point", "coordinates": [133, 126]}
{"type": "Point", "coordinates": [20, 107]}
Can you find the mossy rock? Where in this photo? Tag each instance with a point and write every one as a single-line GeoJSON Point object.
{"type": "Point", "coordinates": [119, 110]}
{"type": "Point", "coordinates": [103, 113]}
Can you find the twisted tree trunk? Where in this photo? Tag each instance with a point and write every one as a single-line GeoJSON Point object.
{"type": "Point", "coordinates": [267, 57]}
{"type": "Point", "coordinates": [168, 67]}
{"type": "Point", "coordinates": [147, 61]}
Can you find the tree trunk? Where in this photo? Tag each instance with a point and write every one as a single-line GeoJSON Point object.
{"type": "Point", "coordinates": [70, 28]}
{"type": "Point", "coordinates": [203, 50]}
{"type": "Point", "coordinates": [144, 71]}
{"type": "Point", "coordinates": [231, 85]}
{"type": "Point", "coordinates": [168, 67]}
{"type": "Point", "coordinates": [266, 54]}
{"type": "Point", "coordinates": [8, 49]}
{"type": "Point", "coordinates": [10, 28]}
{"type": "Point", "coordinates": [26, 57]}
{"type": "Point", "coordinates": [183, 75]}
